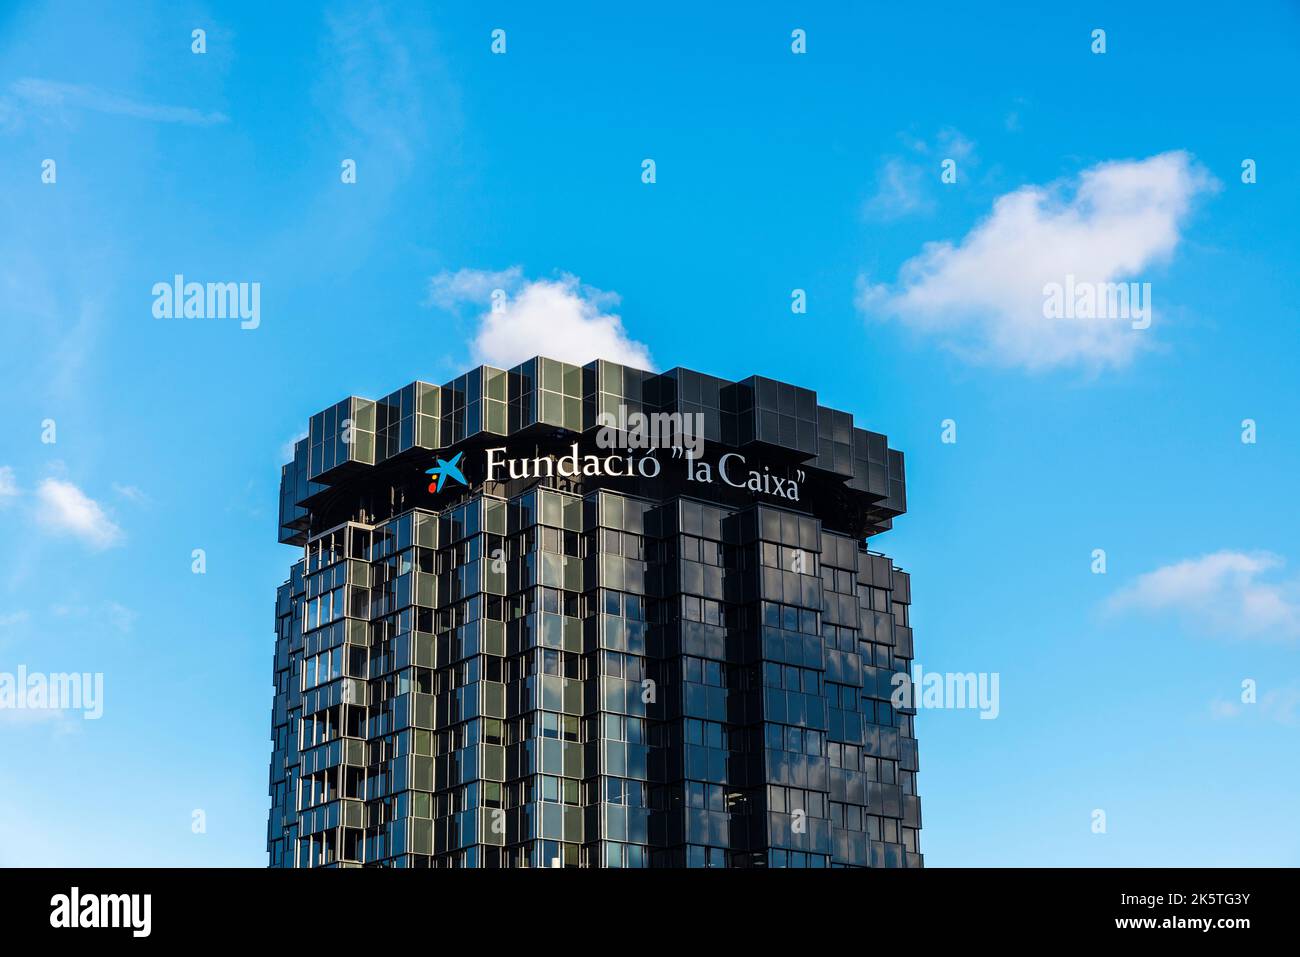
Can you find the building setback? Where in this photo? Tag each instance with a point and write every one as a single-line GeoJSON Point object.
{"type": "Point", "coordinates": [620, 657]}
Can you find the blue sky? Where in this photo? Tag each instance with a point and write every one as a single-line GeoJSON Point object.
{"type": "Point", "coordinates": [774, 172]}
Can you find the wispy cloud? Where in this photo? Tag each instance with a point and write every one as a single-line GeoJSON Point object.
{"type": "Point", "coordinates": [1282, 705]}
{"type": "Point", "coordinates": [51, 94]}
{"type": "Point", "coordinates": [900, 190]}
{"type": "Point", "coordinates": [119, 616]}
{"type": "Point", "coordinates": [906, 183]}
{"type": "Point", "coordinates": [24, 717]}
{"type": "Point", "coordinates": [113, 613]}
{"type": "Point", "coordinates": [384, 96]}
{"type": "Point", "coordinates": [131, 493]}
{"type": "Point", "coordinates": [983, 295]}
{"type": "Point", "coordinates": [8, 485]}
{"type": "Point", "coordinates": [1223, 709]}
{"type": "Point", "coordinates": [249, 500]}
{"type": "Point", "coordinates": [380, 62]}
{"type": "Point", "coordinates": [1279, 705]}
{"type": "Point", "coordinates": [1012, 121]}
{"type": "Point", "coordinates": [286, 448]}
{"type": "Point", "coordinates": [64, 508]}
{"type": "Point", "coordinates": [1221, 593]}
{"type": "Point", "coordinates": [560, 318]}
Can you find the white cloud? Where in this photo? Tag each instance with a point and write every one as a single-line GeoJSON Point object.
{"type": "Point", "coordinates": [8, 485]}
{"type": "Point", "coordinates": [1221, 593]}
{"type": "Point", "coordinates": [65, 508]}
{"type": "Point", "coordinates": [560, 318]}
{"type": "Point", "coordinates": [49, 93]}
{"type": "Point", "coordinates": [984, 294]}
{"type": "Point", "coordinates": [9, 619]}
{"type": "Point", "coordinates": [475, 286]}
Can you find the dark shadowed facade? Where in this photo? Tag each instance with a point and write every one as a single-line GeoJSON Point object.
{"type": "Point", "coordinates": [508, 644]}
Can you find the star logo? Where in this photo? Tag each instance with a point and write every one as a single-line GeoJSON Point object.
{"type": "Point", "coordinates": [446, 470]}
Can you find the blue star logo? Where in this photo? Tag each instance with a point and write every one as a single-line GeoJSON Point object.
{"type": "Point", "coordinates": [446, 470]}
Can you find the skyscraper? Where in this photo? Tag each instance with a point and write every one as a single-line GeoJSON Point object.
{"type": "Point", "coordinates": [591, 616]}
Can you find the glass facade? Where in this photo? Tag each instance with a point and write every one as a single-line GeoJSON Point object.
{"type": "Point", "coordinates": [591, 668]}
